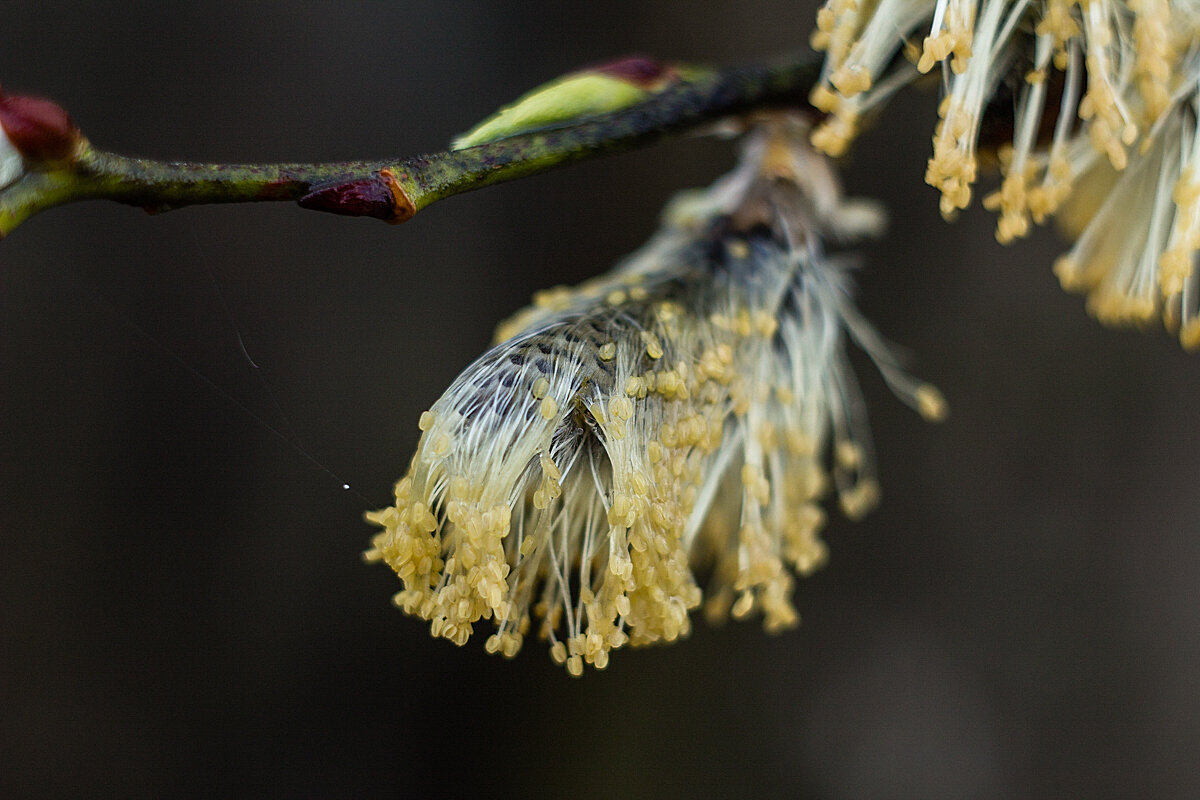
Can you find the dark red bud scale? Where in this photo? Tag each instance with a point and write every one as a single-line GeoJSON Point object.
{"type": "Point", "coordinates": [38, 128]}
{"type": "Point", "coordinates": [379, 196]}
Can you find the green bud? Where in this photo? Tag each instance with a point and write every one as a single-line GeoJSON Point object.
{"type": "Point", "coordinates": [595, 90]}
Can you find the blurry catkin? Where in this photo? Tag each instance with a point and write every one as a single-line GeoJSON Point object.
{"type": "Point", "coordinates": [687, 411]}
{"type": "Point", "coordinates": [1103, 119]}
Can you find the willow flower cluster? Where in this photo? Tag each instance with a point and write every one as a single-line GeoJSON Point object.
{"type": "Point", "coordinates": [682, 415]}
{"type": "Point", "coordinates": [1103, 98]}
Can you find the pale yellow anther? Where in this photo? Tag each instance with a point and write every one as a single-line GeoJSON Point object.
{"type": "Point", "coordinates": [862, 498]}
{"type": "Point", "coordinates": [825, 23]}
{"type": "Point", "coordinates": [554, 297]}
{"type": "Point", "coordinates": [834, 134]}
{"type": "Point", "coordinates": [1175, 267]}
{"type": "Point", "coordinates": [653, 346]}
{"type": "Point", "coordinates": [622, 512]}
{"type": "Point", "coordinates": [851, 79]}
{"type": "Point", "coordinates": [823, 99]}
{"type": "Point", "coordinates": [1058, 23]}
{"type": "Point", "coordinates": [1189, 335]}
{"type": "Point", "coordinates": [667, 311]}
{"type": "Point", "coordinates": [741, 323]}
{"type": "Point", "coordinates": [765, 324]}
{"type": "Point", "coordinates": [620, 408]}
{"type": "Point", "coordinates": [512, 645]}
{"type": "Point", "coordinates": [743, 606]}
{"type": "Point", "coordinates": [549, 468]}
{"type": "Point", "coordinates": [849, 455]}
{"type": "Point", "coordinates": [930, 403]}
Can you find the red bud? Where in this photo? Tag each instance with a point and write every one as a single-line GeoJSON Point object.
{"type": "Point", "coordinates": [40, 129]}
{"type": "Point", "coordinates": [380, 196]}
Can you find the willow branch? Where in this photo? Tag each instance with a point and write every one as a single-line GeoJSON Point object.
{"type": "Point", "coordinates": [395, 189]}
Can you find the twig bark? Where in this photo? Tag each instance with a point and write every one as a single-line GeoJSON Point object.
{"type": "Point", "coordinates": [395, 189]}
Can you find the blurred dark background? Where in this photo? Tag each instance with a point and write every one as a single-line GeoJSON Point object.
{"type": "Point", "coordinates": [183, 610]}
